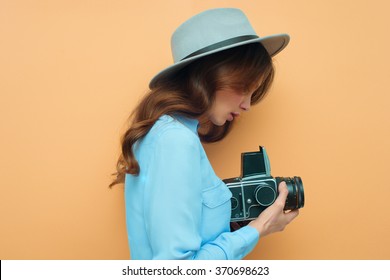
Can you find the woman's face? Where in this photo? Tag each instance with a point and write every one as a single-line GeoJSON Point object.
{"type": "Point", "coordinates": [229, 104]}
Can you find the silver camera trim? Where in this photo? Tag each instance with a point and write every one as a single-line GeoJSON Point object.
{"type": "Point", "coordinates": [247, 203]}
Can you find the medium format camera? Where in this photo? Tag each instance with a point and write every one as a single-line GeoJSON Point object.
{"type": "Point", "coordinates": [256, 189]}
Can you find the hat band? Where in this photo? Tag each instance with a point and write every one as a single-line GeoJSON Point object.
{"type": "Point", "coordinates": [222, 44]}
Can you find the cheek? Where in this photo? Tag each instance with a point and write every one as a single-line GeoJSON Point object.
{"type": "Point", "coordinates": [229, 99]}
{"type": "Point", "coordinates": [235, 101]}
{"type": "Point", "coordinates": [240, 99]}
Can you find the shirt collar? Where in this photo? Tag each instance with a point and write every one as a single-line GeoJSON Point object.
{"type": "Point", "coordinates": [192, 124]}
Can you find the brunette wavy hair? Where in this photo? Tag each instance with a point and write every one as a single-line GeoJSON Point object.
{"type": "Point", "coordinates": [191, 92]}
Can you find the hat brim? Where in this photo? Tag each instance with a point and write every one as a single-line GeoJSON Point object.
{"type": "Point", "coordinates": [273, 44]}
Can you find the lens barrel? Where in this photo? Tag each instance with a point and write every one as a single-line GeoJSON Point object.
{"type": "Point", "coordinates": [296, 195]}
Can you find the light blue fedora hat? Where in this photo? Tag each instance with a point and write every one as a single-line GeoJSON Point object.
{"type": "Point", "coordinates": [213, 31]}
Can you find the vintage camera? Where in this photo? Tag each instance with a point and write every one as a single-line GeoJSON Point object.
{"type": "Point", "coordinates": [256, 189]}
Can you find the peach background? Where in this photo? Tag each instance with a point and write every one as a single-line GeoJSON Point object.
{"type": "Point", "coordinates": [71, 71]}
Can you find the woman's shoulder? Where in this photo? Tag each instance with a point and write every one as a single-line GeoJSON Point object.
{"type": "Point", "coordinates": [173, 130]}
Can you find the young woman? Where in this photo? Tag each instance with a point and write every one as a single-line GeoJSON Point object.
{"type": "Point", "coordinates": [176, 206]}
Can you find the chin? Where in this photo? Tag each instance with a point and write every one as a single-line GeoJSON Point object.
{"type": "Point", "coordinates": [218, 122]}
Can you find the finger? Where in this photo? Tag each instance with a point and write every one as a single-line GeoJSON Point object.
{"type": "Point", "coordinates": [283, 192]}
{"type": "Point", "coordinates": [291, 215]}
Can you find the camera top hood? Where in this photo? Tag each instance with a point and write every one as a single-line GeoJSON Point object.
{"type": "Point", "coordinates": [255, 164]}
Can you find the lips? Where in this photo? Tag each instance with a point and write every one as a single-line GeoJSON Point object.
{"type": "Point", "coordinates": [232, 116]}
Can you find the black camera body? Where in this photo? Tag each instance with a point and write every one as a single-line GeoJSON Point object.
{"type": "Point", "coordinates": [256, 189]}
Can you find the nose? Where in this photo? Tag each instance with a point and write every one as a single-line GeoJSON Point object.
{"type": "Point", "coordinates": [246, 103]}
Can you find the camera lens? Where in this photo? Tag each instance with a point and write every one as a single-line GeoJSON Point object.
{"type": "Point", "coordinates": [296, 196]}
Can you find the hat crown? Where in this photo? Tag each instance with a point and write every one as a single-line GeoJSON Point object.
{"type": "Point", "coordinates": [213, 31]}
{"type": "Point", "coordinates": [209, 28]}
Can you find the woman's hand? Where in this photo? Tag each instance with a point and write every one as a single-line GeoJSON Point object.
{"type": "Point", "coordinates": [274, 219]}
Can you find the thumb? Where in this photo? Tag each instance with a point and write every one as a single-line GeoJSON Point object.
{"type": "Point", "coordinates": [282, 197]}
{"type": "Point", "coordinates": [283, 192]}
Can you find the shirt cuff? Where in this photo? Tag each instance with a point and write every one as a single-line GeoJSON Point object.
{"type": "Point", "coordinates": [250, 237]}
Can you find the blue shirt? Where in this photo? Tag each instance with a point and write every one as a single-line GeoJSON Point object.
{"type": "Point", "coordinates": [177, 208]}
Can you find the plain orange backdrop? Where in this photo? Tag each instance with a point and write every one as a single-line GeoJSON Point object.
{"type": "Point", "coordinates": [71, 72]}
